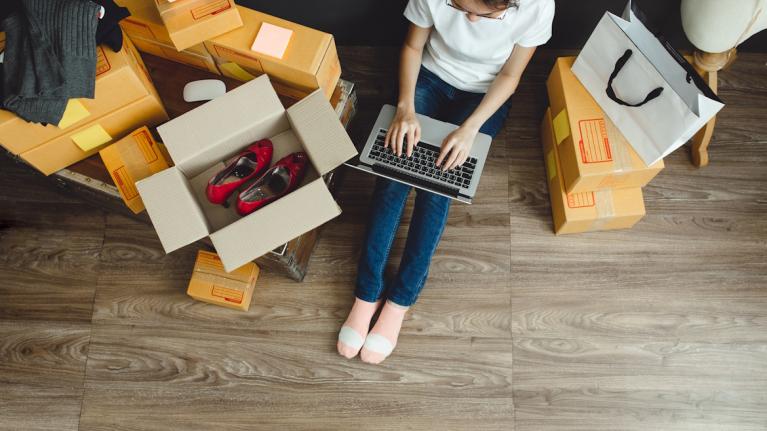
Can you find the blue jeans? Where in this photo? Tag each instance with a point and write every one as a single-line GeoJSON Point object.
{"type": "Point", "coordinates": [437, 99]}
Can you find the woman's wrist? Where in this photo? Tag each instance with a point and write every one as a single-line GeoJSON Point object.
{"type": "Point", "coordinates": [406, 106]}
{"type": "Point", "coordinates": [472, 124]}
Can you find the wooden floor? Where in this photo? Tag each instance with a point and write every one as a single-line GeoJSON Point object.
{"type": "Point", "coordinates": [663, 327]}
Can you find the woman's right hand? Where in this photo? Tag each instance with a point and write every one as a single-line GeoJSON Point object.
{"type": "Point", "coordinates": [404, 132]}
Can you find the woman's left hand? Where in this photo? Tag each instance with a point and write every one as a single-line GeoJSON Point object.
{"type": "Point", "coordinates": [456, 147]}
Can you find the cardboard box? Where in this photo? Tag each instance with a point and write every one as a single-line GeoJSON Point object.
{"type": "Point", "coordinates": [309, 62]}
{"type": "Point", "coordinates": [121, 79]}
{"type": "Point", "coordinates": [132, 158]}
{"type": "Point", "coordinates": [66, 150]}
{"type": "Point", "coordinates": [586, 211]}
{"type": "Point", "coordinates": [145, 24]}
{"type": "Point", "coordinates": [212, 284]}
{"type": "Point", "coordinates": [190, 22]}
{"type": "Point", "coordinates": [200, 140]}
{"type": "Point", "coordinates": [594, 154]}
{"type": "Point", "coordinates": [168, 52]}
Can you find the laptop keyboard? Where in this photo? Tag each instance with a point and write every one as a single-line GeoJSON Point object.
{"type": "Point", "coordinates": [423, 162]}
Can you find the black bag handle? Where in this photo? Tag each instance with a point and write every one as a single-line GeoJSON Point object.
{"type": "Point", "coordinates": [611, 92]}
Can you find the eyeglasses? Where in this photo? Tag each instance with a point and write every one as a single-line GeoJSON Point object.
{"type": "Point", "coordinates": [460, 8]}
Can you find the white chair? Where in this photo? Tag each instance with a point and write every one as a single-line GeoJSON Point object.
{"type": "Point", "coordinates": [717, 28]}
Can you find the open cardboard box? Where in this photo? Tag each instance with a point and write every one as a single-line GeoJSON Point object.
{"type": "Point", "coordinates": [202, 139]}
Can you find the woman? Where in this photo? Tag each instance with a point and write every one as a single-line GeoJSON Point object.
{"type": "Point", "coordinates": [476, 52]}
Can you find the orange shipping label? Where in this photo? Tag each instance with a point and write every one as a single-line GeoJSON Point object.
{"type": "Point", "coordinates": [581, 200]}
{"type": "Point", "coordinates": [145, 143]}
{"type": "Point", "coordinates": [229, 295]}
{"type": "Point", "coordinates": [210, 9]}
{"type": "Point", "coordinates": [232, 55]}
{"type": "Point", "coordinates": [102, 63]}
{"type": "Point", "coordinates": [125, 183]}
{"type": "Point", "coordinates": [594, 143]}
{"type": "Point", "coordinates": [138, 28]}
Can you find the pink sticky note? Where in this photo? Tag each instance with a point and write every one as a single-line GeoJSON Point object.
{"type": "Point", "coordinates": [272, 40]}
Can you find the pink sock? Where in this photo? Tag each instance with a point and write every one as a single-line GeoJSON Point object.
{"type": "Point", "coordinates": [388, 326]}
{"type": "Point", "coordinates": [356, 327]}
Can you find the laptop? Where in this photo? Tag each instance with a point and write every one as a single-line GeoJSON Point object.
{"type": "Point", "coordinates": [420, 170]}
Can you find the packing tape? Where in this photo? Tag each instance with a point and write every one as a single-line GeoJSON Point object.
{"type": "Point", "coordinates": [605, 206]}
{"type": "Point", "coordinates": [561, 125]}
{"type": "Point", "coordinates": [620, 152]}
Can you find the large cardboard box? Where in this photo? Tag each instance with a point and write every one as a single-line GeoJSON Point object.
{"type": "Point", "coordinates": [586, 211]}
{"type": "Point", "coordinates": [309, 62]}
{"type": "Point", "coordinates": [594, 154]}
{"type": "Point", "coordinates": [86, 140]}
{"type": "Point", "coordinates": [212, 284]}
{"type": "Point", "coordinates": [132, 158]}
{"type": "Point", "coordinates": [121, 79]}
{"type": "Point", "coordinates": [190, 22]}
{"type": "Point", "coordinates": [200, 140]}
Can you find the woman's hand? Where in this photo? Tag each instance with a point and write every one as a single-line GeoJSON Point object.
{"type": "Point", "coordinates": [404, 130]}
{"type": "Point", "coordinates": [456, 147]}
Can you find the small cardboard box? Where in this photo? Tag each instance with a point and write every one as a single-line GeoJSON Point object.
{"type": "Point", "coordinates": [121, 79]}
{"type": "Point", "coordinates": [212, 284]}
{"type": "Point", "coordinates": [594, 154]}
{"type": "Point", "coordinates": [309, 62]}
{"type": "Point", "coordinates": [200, 140]}
{"type": "Point", "coordinates": [145, 23]}
{"type": "Point", "coordinates": [132, 158]}
{"type": "Point", "coordinates": [168, 52]}
{"type": "Point", "coordinates": [86, 140]}
{"type": "Point", "coordinates": [190, 22]}
{"type": "Point", "coordinates": [586, 211]}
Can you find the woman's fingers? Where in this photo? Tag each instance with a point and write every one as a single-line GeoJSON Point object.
{"type": "Point", "coordinates": [450, 164]}
{"type": "Point", "coordinates": [389, 134]}
{"type": "Point", "coordinates": [401, 139]}
{"type": "Point", "coordinates": [417, 135]}
{"type": "Point", "coordinates": [410, 141]}
{"type": "Point", "coordinates": [446, 147]}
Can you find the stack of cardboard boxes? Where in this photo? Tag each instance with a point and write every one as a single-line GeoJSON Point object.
{"type": "Point", "coordinates": [595, 177]}
{"type": "Point", "coordinates": [125, 99]}
{"type": "Point", "coordinates": [237, 42]}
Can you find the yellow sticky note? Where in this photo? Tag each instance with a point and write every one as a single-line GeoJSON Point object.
{"type": "Point", "coordinates": [551, 165]}
{"type": "Point", "coordinates": [234, 70]}
{"type": "Point", "coordinates": [92, 137]}
{"type": "Point", "coordinates": [74, 112]}
{"type": "Point", "coordinates": [561, 126]}
{"type": "Point", "coordinates": [272, 40]}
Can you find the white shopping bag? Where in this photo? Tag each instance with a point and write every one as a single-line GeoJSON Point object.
{"type": "Point", "coordinates": [651, 93]}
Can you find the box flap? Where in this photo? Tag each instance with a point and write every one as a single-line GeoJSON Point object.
{"type": "Point", "coordinates": [214, 131]}
{"type": "Point", "coordinates": [275, 224]}
{"type": "Point", "coordinates": [173, 209]}
{"type": "Point", "coordinates": [324, 137]}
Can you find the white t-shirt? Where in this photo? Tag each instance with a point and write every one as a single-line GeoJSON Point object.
{"type": "Point", "coordinates": [469, 55]}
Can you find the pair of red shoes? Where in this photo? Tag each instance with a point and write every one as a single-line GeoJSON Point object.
{"type": "Point", "coordinates": [271, 184]}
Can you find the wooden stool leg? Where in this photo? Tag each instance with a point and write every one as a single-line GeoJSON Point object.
{"type": "Point", "coordinates": [702, 139]}
{"type": "Point", "coordinates": [700, 144]}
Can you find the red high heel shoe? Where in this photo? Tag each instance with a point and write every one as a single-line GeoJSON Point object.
{"type": "Point", "coordinates": [279, 180]}
{"type": "Point", "coordinates": [250, 164]}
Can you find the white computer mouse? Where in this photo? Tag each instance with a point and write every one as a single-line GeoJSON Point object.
{"type": "Point", "coordinates": [204, 89]}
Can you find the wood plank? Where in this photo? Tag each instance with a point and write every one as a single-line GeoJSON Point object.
{"type": "Point", "coordinates": [42, 365]}
{"type": "Point", "coordinates": [177, 378]}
